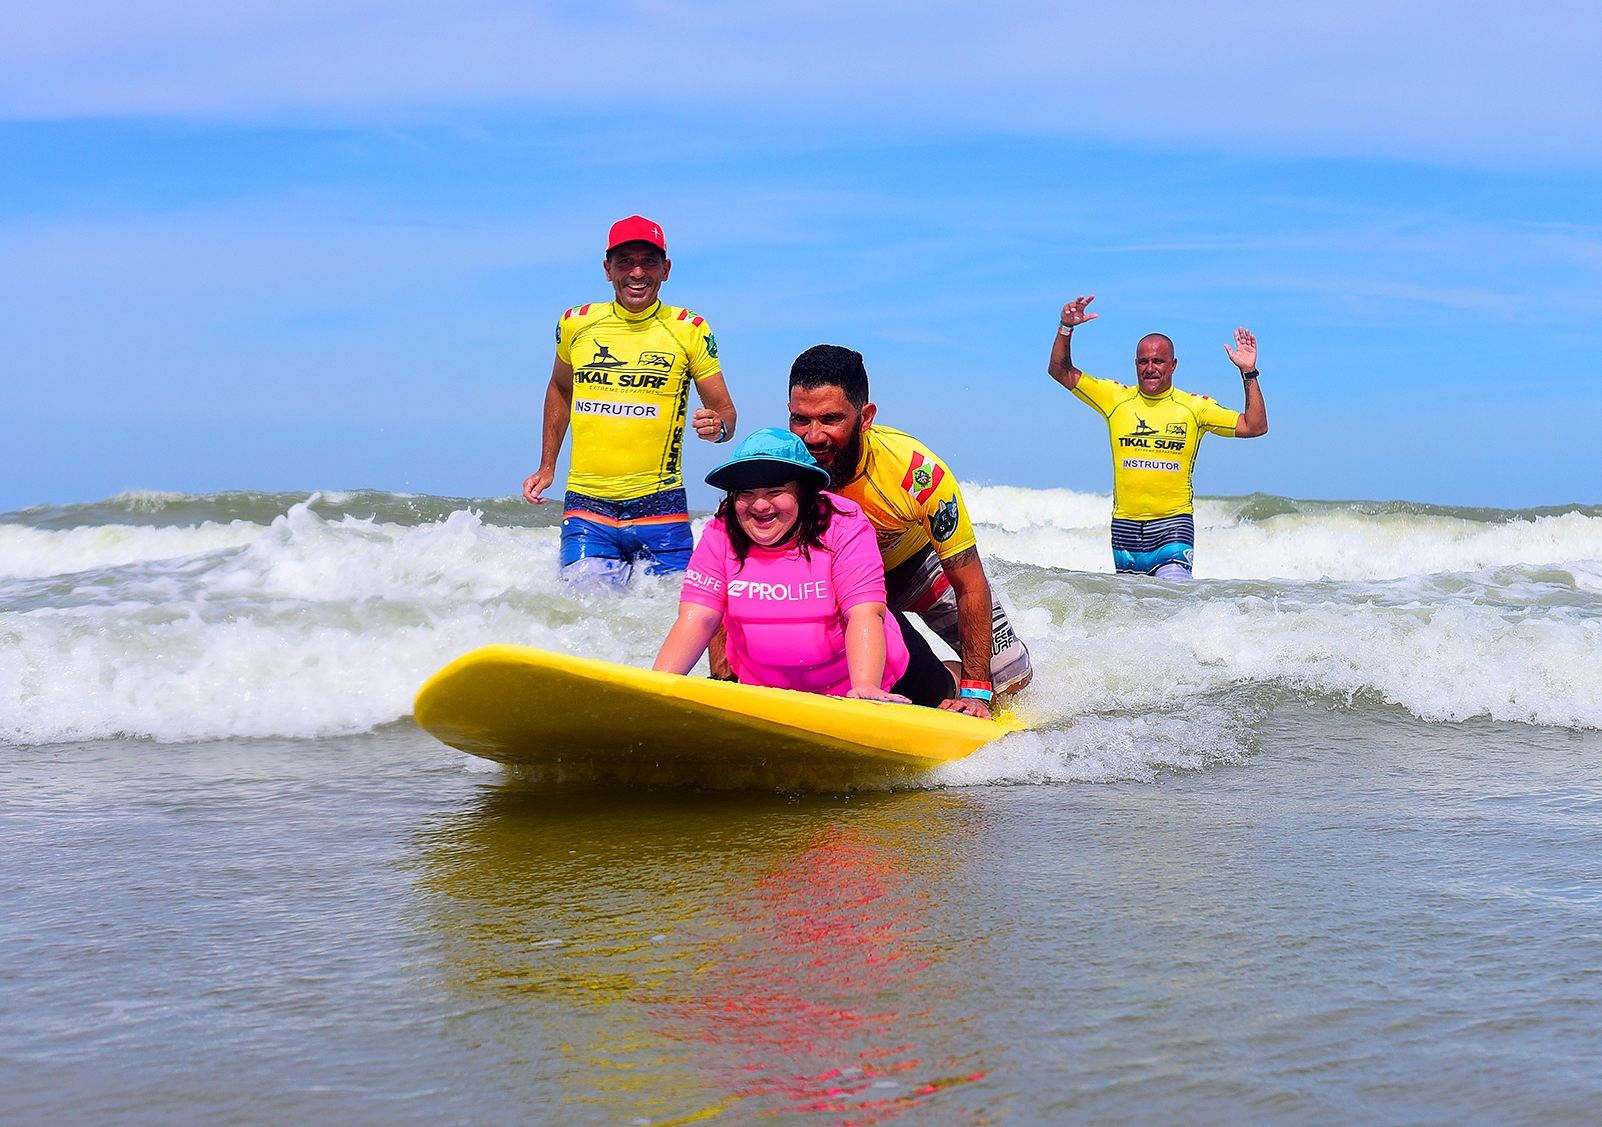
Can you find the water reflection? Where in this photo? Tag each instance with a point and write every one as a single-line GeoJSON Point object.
{"type": "Point", "coordinates": [674, 956]}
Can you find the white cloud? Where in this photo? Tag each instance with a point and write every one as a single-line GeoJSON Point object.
{"type": "Point", "coordinates": [1422, 78]}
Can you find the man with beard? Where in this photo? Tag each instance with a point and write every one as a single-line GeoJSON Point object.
{"type": "Point", "coordinates": [932, 566]}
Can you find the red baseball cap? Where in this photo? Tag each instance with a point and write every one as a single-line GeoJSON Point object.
{"type": "Point", "coordinates": [636, 228]}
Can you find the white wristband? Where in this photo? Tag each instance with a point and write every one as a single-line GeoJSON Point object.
{"type": "Point", "coordinates": [1065, 330]}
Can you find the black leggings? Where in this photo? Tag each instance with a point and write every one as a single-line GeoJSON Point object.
{"type": "Point", "coordinates": [927, 681]}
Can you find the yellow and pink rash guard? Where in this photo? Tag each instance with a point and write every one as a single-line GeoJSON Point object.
{"type": "Point", "coordinates": [1154, 444]}
{"type": "Point", "coordinates": [631, 387]}
{"type": "Point", "coordinates": [910, 497]}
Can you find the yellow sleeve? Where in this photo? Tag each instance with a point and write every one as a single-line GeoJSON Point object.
{"type": "Point", "coordinates": [703, 349]}
{"type": "Point", "coordinates": [1214, 416]}
{"type": "Point", "coordinates": [566, 328]}
{"type": "Point", "coordinates": [1103, 395]}
{"type": "Point", "coordinates": [947, 517]}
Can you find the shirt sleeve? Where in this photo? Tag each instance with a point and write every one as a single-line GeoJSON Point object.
{"type": "Point", "coordinates": [564, 338]}
{"type": "Point", "coordinates": [1214, 416]}
{"type": "Point", "coordinates": [703, 350]}
{"type": "Point", "coordinates": [950, 531]}
{"type": "Point", "coordinates": [704, 579]}
{"type": "Point", "coordinates": [1101, 394]}
{"type": "Point", "coordinates": [856, 568]}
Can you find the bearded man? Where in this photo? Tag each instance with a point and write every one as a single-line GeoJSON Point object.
{"type": "Point", "coordinates": [931, 559]}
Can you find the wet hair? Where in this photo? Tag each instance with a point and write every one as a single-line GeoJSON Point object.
{"type": "Point", "coordinates": [1157, 336]}
{"type": "Point", "coordinates": [830, 365]}
{"type": "Point", "coordinates": [811, 522]}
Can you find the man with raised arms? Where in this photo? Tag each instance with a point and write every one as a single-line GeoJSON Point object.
{"type": "Point", "coordinates": [622, 378]}
{"type": "Point", "coordinates": [932, 566]}
{"type": "Point", "coordinates": [1156, 430]}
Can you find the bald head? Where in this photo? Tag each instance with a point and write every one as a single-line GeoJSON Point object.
{"type": "Point", "coordinates": [1157, 340]}
{"type": "Point", "coordinates": [1155, 364]}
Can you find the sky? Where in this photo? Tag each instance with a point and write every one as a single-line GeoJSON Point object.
{"type": "Point", "coordinates": [302, 246]}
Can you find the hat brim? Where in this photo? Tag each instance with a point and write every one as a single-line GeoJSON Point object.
{"type": "Point", "coordinates": [764, 473]}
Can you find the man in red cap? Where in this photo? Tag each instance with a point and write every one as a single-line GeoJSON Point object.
{"type": "Point", "coordinates": [622, 379]}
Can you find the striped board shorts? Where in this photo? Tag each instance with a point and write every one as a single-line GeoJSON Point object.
{"type": "Point", "coordinates": [1165, 547]}
{"type": "Point", "coordinates": [919, 586]}
{"type": "Point", "coordinates": [603, 540]}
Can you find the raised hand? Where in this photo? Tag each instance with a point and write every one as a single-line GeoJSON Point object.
{"type": "Point", "coordinates": [1244, 354]}
{"type": "Point", "coordinates": [1074, 312]}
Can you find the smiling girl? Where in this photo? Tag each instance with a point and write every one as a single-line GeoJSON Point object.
{"type": "Point", "coordinates": [796, 576]}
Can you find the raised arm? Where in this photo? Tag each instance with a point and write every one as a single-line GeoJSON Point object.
{"type": "Point", "coordinates": [1253, 422]}
{"type": "Point", "coordinates": [558, 411]}
{"type": "Point", "coordinates": [718, 414]}
{"type": "Point", "coordinates": [1061, 368]}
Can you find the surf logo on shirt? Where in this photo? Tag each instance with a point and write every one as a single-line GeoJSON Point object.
{"type": "Point", "coordinates": [780, 592]}
{"type": "Point", "coordinates": [944, 521]}
{"type": "Point", "coordinates": [656, 360]}
{"type": "Point", "coordinates": [1141, 437]}
{"type": "Point", "coordinates": [605, 359]}
{"type": "Point", "coordinates": [923, 478]}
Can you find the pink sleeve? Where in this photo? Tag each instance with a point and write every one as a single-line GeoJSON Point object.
{"type": "Point", "coordinates": [857, 569]}
{"type": "Point", "coordinates": [704, 578]}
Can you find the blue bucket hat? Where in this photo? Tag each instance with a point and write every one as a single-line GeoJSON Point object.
{"type": "Point", "coordinates": [769, 457]}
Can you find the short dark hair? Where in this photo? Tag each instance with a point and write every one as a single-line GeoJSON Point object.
{"type": "Point", "coordinates": [830, 365]}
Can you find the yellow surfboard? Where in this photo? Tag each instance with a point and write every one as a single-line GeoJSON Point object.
{"type": "Point", "coordinates": [576, 718]}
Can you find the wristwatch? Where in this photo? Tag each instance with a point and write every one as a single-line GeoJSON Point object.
{"type": "Point", "coordinates": [1251, 375]}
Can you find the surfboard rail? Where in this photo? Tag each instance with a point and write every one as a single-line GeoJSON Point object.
{"type": "Point", "coordinates": [534, 708]}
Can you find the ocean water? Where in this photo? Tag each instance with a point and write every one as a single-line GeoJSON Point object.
{"type": "Point", "coordinates": [1311, 839]}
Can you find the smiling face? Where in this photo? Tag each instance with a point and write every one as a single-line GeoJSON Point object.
{"type": "Point", "coordinates": [825, 420]}
{"type": "Point", "coordinates": [637, 271]}
{"type": "Point", "coordinates": [768, 515]}
{"type": "Point", "coordinates": [1154, 365]}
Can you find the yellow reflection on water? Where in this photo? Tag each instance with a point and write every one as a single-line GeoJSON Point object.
{"type": "Point", "coordinates": [673, 955]}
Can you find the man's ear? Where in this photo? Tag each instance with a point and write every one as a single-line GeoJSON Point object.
{"type": "Point", "coordinates": [869, 410]}
{"type": "Point", "coordinates": [606, 265]}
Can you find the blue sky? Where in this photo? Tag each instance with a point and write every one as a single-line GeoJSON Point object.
{"type": "Point", "coordinates": [322, 246]}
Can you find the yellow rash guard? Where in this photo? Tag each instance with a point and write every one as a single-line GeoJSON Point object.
{"type": "Point", "coordinates": [1154, 444]}
{"type": "Point", "coordinates": [631, 385]}
{"type": "Point", "coordinates": [909, 496]}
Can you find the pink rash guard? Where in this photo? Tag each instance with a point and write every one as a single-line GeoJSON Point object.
{"type": "Point", "coordinates": [786, 614]}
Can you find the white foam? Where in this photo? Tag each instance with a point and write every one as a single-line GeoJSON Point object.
{"type": "Point", "coordinates": [1102, 750]}
{"type": "Point", "coordinates": [27, 553]}
{"type": "Point", "coordinates": [311, 626]}
{"type": "Point", "coordinates": [1058, 528]}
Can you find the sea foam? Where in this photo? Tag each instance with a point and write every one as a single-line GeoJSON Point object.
{"type": "Point", "coordinates": [319, 622]}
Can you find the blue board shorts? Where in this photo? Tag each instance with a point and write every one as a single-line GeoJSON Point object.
{"type": "Point", "coordinates": [603, 540]}
{"type": "Point", "coordinates": [1165, 548]}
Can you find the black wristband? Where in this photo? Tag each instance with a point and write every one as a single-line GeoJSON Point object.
{"type": "Point", "coordinates": [1251, 375]}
